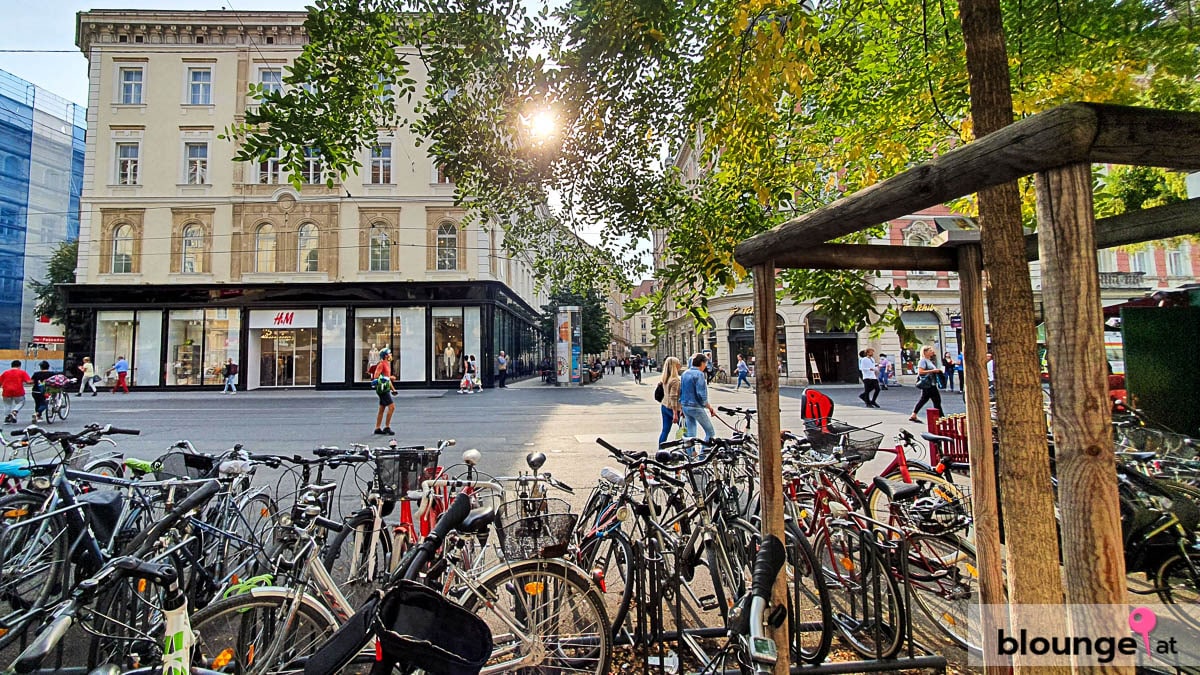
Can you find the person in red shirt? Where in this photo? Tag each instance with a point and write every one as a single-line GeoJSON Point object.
{"type": "Point", "coordinates": [12, 386]}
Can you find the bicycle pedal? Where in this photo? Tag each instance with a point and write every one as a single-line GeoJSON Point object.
{"type": "Point", "coordinates": [708, 603]}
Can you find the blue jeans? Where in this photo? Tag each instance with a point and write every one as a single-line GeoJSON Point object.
{"type": "Point", "coordinates": [230, 384]}
{"type": "Point", "coordinates": [698, 414]}
{"type": "Point", "coordinates": [668, 420]}
{"type": "Point", "coordinates": [742, 378]}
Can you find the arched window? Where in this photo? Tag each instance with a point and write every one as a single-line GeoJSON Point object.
{"type": "Point", "coordinates": [264, 248]}
{"type": "Point", "coordinates": [381, 250]}
{"type": "Point", "coordinates": [122, 250]}
{"type": "Point", "coordinates": [193, 244]}
{"type": "Point", "coordinates": [306, 247]}
{"type": "Point", "coordinates": [447, 247]}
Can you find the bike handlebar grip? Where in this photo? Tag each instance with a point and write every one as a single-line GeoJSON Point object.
{"type": "Point", "coordinates": [723, 409]}
{"type": "Point", "coordinates": [327, 452]}
{"type": "Point", "coordinates": [609, 446]}
{"type": "Point", "coordinates": [331, 525]}
{"type": "Point", "coordinates": [47, 640]}
{"type": "Point", "coordinates": [667, 445]}
{"type": "Point", "coordinates": [767, 564]}
{"type": "Point", "coordinates": [127, 432]}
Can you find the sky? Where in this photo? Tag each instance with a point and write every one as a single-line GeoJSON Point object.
{"type": "Point", "coordinates": [50, 25]}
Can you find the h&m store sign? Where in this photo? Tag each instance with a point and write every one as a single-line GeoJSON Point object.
{"type": "Point", "coordinates": [283, 318]}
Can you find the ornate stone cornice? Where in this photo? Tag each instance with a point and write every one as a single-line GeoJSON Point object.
{"type": "Point", "coordinates": [191, 30]}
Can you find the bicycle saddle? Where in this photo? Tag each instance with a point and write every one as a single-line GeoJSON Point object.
{"type": "Point", "coordinates": [15, 468]}
{"type": "Point", "coordinates": [934, 438]}
{"type": "Point", "coordinates": [897, 491]}
{"type": "Point", "coordinates": [478, 520]}
{"type": "Point", "coordinates": [670, 457]}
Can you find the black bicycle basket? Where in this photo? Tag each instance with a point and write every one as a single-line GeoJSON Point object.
{"type": "Point", "coordinates": [184, 465]}
{"type": "Point", "coordinates": [534, 528]}
{"type": "Point", "coordinates": [417, 627]}
{"type": "Point", "coordinates": [402, 470]}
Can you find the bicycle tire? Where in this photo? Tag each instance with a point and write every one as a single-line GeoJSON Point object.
{"type": "Point", "coordinates": [865, 600]}
{"type": "Point", "coordinates": [346, 557]}
{"type": "Point", "coordinates": [943, 575]}
{"type": "Point", "coordinates": [1177, 588]}
{"type": "Point", "coordinates": [560, 591]}
{"type": "Point", "coordinates": [35, 564]}
{"type": "Point", "coordinates": [879, 506]}
{"type": "Point", "coordinates": [611, 555]}
{"type": "Point", "coordinates": [808, 600]}
{"type": "Point", "coordinates": [236, 628]}
{"type": "Point", "coordinates": [64, 405]}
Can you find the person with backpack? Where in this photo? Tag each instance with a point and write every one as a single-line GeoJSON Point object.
{"type": "Point", "coordinates": [229, 372]}
{"type": "Point", "coordinates": [381, 377]}
{"type": "Point", "coordinates": [636, 366]}
{"type": "Point", "coordinates": [667, 394]}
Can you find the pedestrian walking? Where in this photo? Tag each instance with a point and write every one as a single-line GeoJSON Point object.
{"type": "Point", "coordinates": [636, 367]}
{"type": "Point", "coordinates": [381, 377]}
{"type": "Point", "coordinates": [958, 372]}
{"type": "Point", "coordinates": [12, 388]}
{"type": "Point", "coordinates": [39, 390]}
{"type": "Point", "coordinates": [667, 394]}
{"type": "Point", "coordinates": [473, 372]}
{"type": "Point", "coordinates": [885, 371]}
{"type": "Point", "coordinates": [693, 398]}
{"type": "Point", "coordinates": [927, 379]}
{"type": "Point", "coordinates": [87, 376]}
{"type": "Point", "coordinates": [870, 377]}
{"type": "Point", "coordinates": [991, 372]}
{"type": "Point", "coordinates": [121, 368]}
{"type": "Point", "coordinates": [947, 376]}
{"type": "Point", "coordinates": [743, 374]}
{"type": "Point", "coordinates": [229, 372]}
{"type": "Point", "coordinates": [502, 368]}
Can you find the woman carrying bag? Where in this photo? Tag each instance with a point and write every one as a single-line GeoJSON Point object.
{"type": "Point", "coordinates": [928, 373]}
{"type": "Point", "coordinates": [667, 393]}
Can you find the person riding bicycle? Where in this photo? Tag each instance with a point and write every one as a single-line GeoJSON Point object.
{"type": "Point", "coordinates": [39, 390]}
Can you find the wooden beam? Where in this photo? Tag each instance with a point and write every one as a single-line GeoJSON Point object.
{"type": "Point", "coordinates": [869, 257]}
{"type": "Point", "coordinates": [1068, 134]}
{"type": "Point", "coordinates": [979, 437]}
{"type": "Point", "coordinates": [1136, 227]}
{"type": "Point", "coordinates": [766, 388]}
{"type": "Point", "coordinates": [1093, 559]}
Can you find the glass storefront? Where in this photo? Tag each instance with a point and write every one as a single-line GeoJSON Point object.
{"type": "Point", "coordinates": [134, 335]}
{"type": "Point", "coordinates": [373, 331]}
{"type": "Point", "coordinates": [222, 341]}
{"type": "Point", "coordinates": [447, 343]}
{"type": "Point", "coordinates": [287, 357]}
{"type": "Point", "coordinates": [402, 329]}
{"type": "Point", "coordinates": [409, 329]}
{"type": "Point", "coordinates": [333, 345]}
{"type": "Point", "coordinates": [198, 343]}
{"type": "Point", "coordinates": [926, 330]}
{"type": "Point", "coordinates": [147, 354]}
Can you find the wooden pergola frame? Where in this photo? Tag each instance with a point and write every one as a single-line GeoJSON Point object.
{"type": "Point", "coordinates": [1058, 147]}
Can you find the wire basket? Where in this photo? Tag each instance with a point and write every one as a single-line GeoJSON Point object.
{"type": "Point", "coordinates": [534, 528]}
{"type": "Point", "coordinates": [829, 435]}
{"type": "Point", "coordinates": [400, 471]}
{"type": "Point", "coordinates": [940, 511]}
{"type": "Point", "coordinates": [185, 466]}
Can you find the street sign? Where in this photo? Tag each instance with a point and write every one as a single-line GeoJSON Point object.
{"type": "Point", "coordinates": [956, 321]}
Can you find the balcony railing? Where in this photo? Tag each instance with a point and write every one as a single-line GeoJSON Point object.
{"type": "Point", "coordinates": [1122, 280]}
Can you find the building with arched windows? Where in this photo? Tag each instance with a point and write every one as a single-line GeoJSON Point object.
{"type": "Point", "coordinates": [188, 258]}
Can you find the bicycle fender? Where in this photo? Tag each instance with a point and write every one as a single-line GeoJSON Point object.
{"type": "Point", "coordinates": [306, 599]}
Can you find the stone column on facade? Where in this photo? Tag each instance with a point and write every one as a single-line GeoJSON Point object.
{"type": "Point", "coordinates": [797, 355]}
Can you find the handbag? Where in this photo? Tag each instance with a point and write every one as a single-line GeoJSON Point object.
{"type": "Point", "coordinates": [925, 382]}
{"type": "Point", "coordinates": [658, 392]}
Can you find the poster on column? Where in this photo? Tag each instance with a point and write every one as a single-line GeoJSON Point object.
{"type": "Point", "coordinates": [562, 340]}
{"type": "Point", "coordinates": [576, 345]}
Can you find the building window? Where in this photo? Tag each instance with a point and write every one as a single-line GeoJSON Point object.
{"type": "Point", "coordinates": [122, 250]}
{"type": "Point", "coordinates": [1142, 261]}
{"type": "Point", "coordinates": [381, 252]}
{"type": "Point", "coordinates": [1106, 260]}
{"type": "Point", "coordinates": [127, 163]}
{"type": "Point", "coordinates": [199, 86]}
{"type": "Point", "coordinates": [197, 163]}
{"type": "Point", "coordinates": [442, 177]}
{"type": "Point", "coordinates": [271, 80]}
{"type": "Point", "coordinates": [306, 248]}
{"type": "Point", "coordinates": [131, 85]}
{"type": "Point", "coordinates": [264, 248]}
{"type": "Point", "coordinates": [381, 164]}
{"type": "Point", "coordinates": [1178, 264]}
{"type": "Point", "coordinates": [310, 174]}
{"type": "Point", "coordinates": [447, 247]}
{"type": "Point", "coordinates": [193, 243]}
{"type": "Point", "coordinates": [270, 170]}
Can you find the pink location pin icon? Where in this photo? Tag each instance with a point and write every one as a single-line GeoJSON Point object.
{"type": "Point", "coordinates": [1142, 621]}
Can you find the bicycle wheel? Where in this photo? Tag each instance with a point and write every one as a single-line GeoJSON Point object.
{"type": "Point", "coordinates": [561, 624]}
{"type": "Point", "coordinates": [879, 506]}
{"type": "Point", "coordinates": [64, 405]}
{"type": "Point", "coordinates": [865, 599]}
{"type": "Point", "coordinates": [251, 634]}
{"type": "Point", "coordinates": [125, 624]}
{"type": "Point", "coordinates": [33, 558]}
{"type": "Point", "coordinates": [1178, 584]}
{"type": "Point", "coordinates": [808, 600]}
{"type": "Point", "coordinates": [943, 575]}
{"type": "Point", "coordinates": [349, 558]}
{"type": "Point", "coordinates": [611, 555]}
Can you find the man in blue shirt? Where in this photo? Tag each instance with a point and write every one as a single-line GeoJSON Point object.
{"type": "Point", "coordinates": [693, 398]}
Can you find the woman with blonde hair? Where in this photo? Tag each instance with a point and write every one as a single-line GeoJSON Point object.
{"type": "Point", "coordinates": [672, 411]}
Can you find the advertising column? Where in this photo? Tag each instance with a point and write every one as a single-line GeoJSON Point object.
{"type": "Point", "coordinates": [562, 346]}
{"type": "Point", "coordinates": [576, 345]}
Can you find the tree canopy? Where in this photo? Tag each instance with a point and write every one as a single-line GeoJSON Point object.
{"type": "Point", "coordinates": [59, 270]}
{"type": "Point", "coordinates": [597, 331]}
{"type": "Point", "coordinates": [784, 106]}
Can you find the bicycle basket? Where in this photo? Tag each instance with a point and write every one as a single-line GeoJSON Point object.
{"type": "Point", "coordinates": [400, 471]}
{"type": "Point", "coordinates": [534, 528]}
{"type": "Point", "coordinates": [827, 435]}
{"type": "Point", "coordinates": [184, 465]}
{"type": "Point", "coordinates": [939, 512]}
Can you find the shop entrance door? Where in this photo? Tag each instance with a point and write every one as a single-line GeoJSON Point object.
{"type": "Point", "coordinates": [287, 357]}
{"type": "Point", "coordinates": [835, 355]}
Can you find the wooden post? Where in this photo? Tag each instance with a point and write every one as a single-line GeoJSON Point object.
{"type": "Point", "coordinates": [766, 387]}
{"type": "Point", "coordinates": [979, 432]}
{"type": "Point", "coordinates": [1087, 490]}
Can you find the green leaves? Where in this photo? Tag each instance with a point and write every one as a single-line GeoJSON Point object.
{"type": "Point", "coordinates": [60, 269]}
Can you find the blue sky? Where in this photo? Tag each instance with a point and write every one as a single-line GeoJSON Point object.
{"type": "Point", "coordinates": [50, 25]}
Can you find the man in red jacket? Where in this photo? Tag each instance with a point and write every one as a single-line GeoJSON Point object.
{"type": "Point", "coordinates": [12, 386]}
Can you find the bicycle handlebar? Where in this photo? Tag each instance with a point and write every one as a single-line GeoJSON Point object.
{"type": "Point", "coordinates": [47, 640]}
{"type": "Point", "coordinates": [195, 500]}
{"type": "Point", "coordinates": [767, 564]}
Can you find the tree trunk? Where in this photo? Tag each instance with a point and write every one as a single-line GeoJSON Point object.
{"type": "Point", "coordinates": [1033, 563]}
